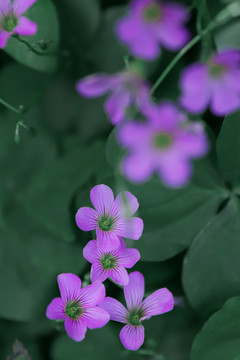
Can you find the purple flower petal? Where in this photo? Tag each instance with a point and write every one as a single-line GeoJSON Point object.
{"type": "Point", "coordinates": [86, 219]}
{"type": "Point", "coordinates": [92, 295]}
{"type": "Point", "coordinates": [107, 241]}
{"type": "Point", "coordinates": [131, 228]}
{"type": "Point", "coordinates": [137, 167]}
{"type": "Point", "coordinates": [91, 252]}
{"type": "Point", "coordinates": [133, 135]}
{"type": "Point", "coordinates": [193, 145]}
{"type": "Point", "coordinates": [116, 105]}
{"type": "Point", "coordinates": [125, 204]}
{"type": "Point", "coordinates": [102, 198]}
{"type": "Point", "coordinates": [4, 36]}
{"type": "Point", "coordinates": [132, 337]}
{"type": "Point", "coordinates": [119, 275]}
{"type": "Point", "coordinates": [175, 12]}
{"type": "Point", "coordinates": [75, 329]}
{"type": "Point", "coordinates": [95, 317]}
{"type": "Point", "coordinates": [134, 291]}
{"type": "Point", "coordinates": [20, 6]}
{"type": "Point", "coordinates": [171, 36]}
{"type": "Point", "coordinates": [98, 273]}
{"type": "Point", "coordinates": [69, 286]}
{"type": "Point", "coordinates": [55, 309]}
{"type": "Point", "coordinates": [224, 99]}
{"type": "Point", "coordinates": [128, 257]}
{"type": "Point", "coordinates": [5, 6]}
{"type": "Point", "coordinates": [116, 310]}
{"type": "Point", "coordinates": [228, 58]}
{"type": "Point", "coordinates": [159, 302]}
{"type": "Point", "coordinates": [95, 85]}
{"type": "Point", "coordinates": [25, 27]}
{"type": "Point", "coordinates": [175, 172]}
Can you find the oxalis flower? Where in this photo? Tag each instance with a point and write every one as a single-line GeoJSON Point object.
{"type": "Point", "coordinates": [78, 307]}
{"type": "Point", "coordinates": [127, 89]}
{"type": "Point", "coordinates": [215, 83]}
{"type": "Point", "coordinates": [165, 143]}
{"type": "Point", "coordinates": [151, 23]}
{"type": "Point", "coordinates": [110, 264]}
{"type": "Point", "coordinates": [111, 219]}
{"type": "Point", "coordinates": [160, 302]}
{"type": "Point", "coordinates": [12, 21]}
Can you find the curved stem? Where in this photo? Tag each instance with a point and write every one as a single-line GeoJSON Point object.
{"type": "Point", "coordinates": [30, 47]}
{"type": "Point", "coordinates": [9, 106]}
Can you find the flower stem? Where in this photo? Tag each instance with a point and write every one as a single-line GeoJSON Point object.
{"type": "Point", "coordinates": [9, 106]}
{"type": "Point", "coordinates": [30, 47]}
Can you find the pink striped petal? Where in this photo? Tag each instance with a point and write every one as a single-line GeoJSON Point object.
{"type": "Point", "coordinates": [95, 317]}
{"type": "Point", "coordinates": [131, 228]}
{"type": "Point", "coordinates": [102, 199]}
{"type": "Point", "coordinates": [159, 302]}
{"type": "Point", "coordinates": [20, 6]}
{"type": "Point", "coordinates": [107, 240]}
{"type": "Point", "coordinates": [69, 286]}
{"type": "Point", "coordinates": [25, 27]}
{"type": "Point", "coordinates": [86, 219]}
{"type": "Point", "coordinates": [116, 310]}
{"type": "Point", "coordinates": [128, 257]}
{"type": "Point", "coordinates": [55, 309]}
{"type": "Point", "coordinates": [119, 275]}
{"type": "Point", "coordinates": [98, 273]}
{"type": "Point", "coordinates": [4, 36]}
{"type": "Point", "coordinates": [92, 295]}
{"type": "Point", "coordinates": [75, 329]}
{"type": "Point", "coordinates": [91, 252]}
{"type": "Point", "coordinates": [132, 337]}
{"type": "Point", "coordinates": [134, 291]}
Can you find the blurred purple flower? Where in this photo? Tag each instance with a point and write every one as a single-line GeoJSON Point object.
{"type": "Point", "coordinates": [110, 263]}
{"type": "Point", "coordinates": [12, 21]}
{"type": "Point", "coordinates": [151, 23]}
{"type": "Point", "coordinates": [78, 306]}
{"type": "Point", "coordinates": [216, 82]}
{"type": "Point", "coordinates": [160, 302]}
{"type": "Point", "coordinates": [111, 219]}
{"type": "Point", "coordinates": [165, 143]}
{"type": "Point", "coordinates": [126, 88]}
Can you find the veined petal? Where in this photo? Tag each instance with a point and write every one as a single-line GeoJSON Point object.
{"type": "Point", "coordinates": [134, 291]}
{"type": "Point", "coordinates": [119, 275]}
{"type": "Point", "coordinates": [128, 257]}
{"type": "Point", "coordinates": [20, 6]}
{"type": "Point", "coordinates": [131, 228]}
{"type": "Point", "coordinates": [5, 7]}
{"type": "Point", "coordinates": [95, 85]}
{"type": "Point", "coordinates": [75, 329]}
{"type": "Point", "coordinates": [125, 204]}
{"type": "Point", "coordinates": [86, 219]}
{"type": "Point", "coordinates": [25, 27]}
{"type": "Point", "coordinates": [107, 240]}
{"type": "Point", "coordinates": [69, 286]}
{"type": "Point", "coordinates": [91, 252]}
{"type": "Point", "coordinates": [116, 310]}
{"type": "Point", "coordinates": [4, 36]}
{"type": "Point", "coordinates": [132, 337]}
{"type": "Point", "coordinates": [55, 309]}
{"type": "Point", "coordinates": [95, 317]}
{"type": "Point", "coordinates": [92, 295]}
{"type": "Point", "coordinates": [98, 273]}
{"type": "Point", "coordinates": [116, 105]}
{"type": "Point", "coordinates": [102, 198]}
{"type": "Point", "coordinates": [159, 302]}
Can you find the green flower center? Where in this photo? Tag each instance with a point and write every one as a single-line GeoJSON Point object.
{"type": "Point", "coordinates": [108, 261]}
{"type": "Point", "coordinates": [152, 13]}
{"type": "Point", "coordinates": [105, 223]}
{"type": "Point", "coordinates": [134, 317]}
{"type": "Point", "coordinates": [216, 70]}
{"type": "Point", "coordinates": [162, 141]}
{"type": "Point", "coordinates": [73, 310]}
{"type": "Point", "coordinates": [9, 22]}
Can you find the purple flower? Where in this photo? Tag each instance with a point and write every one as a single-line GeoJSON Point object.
{"type": "Point", "coordinates": [165, 143]}
{"type": "Point", "coordinates": [78, 306]}
{"type": "Point", "coordinates": [216, 83]}
{"type": "Point", "coordinates": [110, 263]}
{"type": "Point", "coordinates": [160, 302]}
{"type": "Point", "coordinates": [151, 23]}
{"type": "Point", "coordinates": [111, 219]}
{"type": "Point", "coordinates": [126, 88]}
{"type": "Point", "coordinates": [12, 21]}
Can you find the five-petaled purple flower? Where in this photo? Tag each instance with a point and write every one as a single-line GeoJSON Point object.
{"type": "Point", "coordinates": [151, 23]}
{"type": "Point", "coordinates": [127, 88]}
{"type": "Point", "coordinates": [165, 143]}
{"type": "Point", "coordinates": [160, 302]}
{"type": "Point", "coordinates": [110, 263]}
{"type": "Point", "coordinates": [111, 219]}
{"type": "Point", "coordinates": [78, 307]}
{"type": "Point", "coordinates": [12, 21]}
{"type": "Point", "coordinates": [216, 82]}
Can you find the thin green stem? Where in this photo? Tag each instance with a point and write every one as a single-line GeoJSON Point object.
{"type": "Point", "coordinates": [9, 106]}
{"type": "Point", "coordinates": [30, 47]}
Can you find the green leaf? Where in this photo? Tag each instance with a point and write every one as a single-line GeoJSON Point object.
{"type": "Point", "coordinates": [219, 337]}
{"type": "Point", "coordinates": [43, 13]}
{"type": "Point", "coordinates": [211, 271]}
{"type": "Point", "coordinates": [228, 36]}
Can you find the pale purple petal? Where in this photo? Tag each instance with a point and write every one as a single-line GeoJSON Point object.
{"type": "Point", "coordinates": [91, 252]}
{"type": "Point", "coordinates": [193, 145]}
{"type": "Point", "coordinates": [86, 219]}
{"type": "Point", "coordinates": [116, 105]}
{"type": "Point", "coordinates": [122, 244]}
{"type": "Point", "coordinates": [133, 135]}
{"type": "Point", "coordinates": [20, 6]}
{"type": "Point", "coordinates": [137, 167]}
{"type": "Point", "coordinates": [92, 295]}
{"type": "Point", "coordinates": [95, 85]}
{"type": "Point", "coordinates": [119, 275]}
{"type": "Point", "coordinates": [125, 204]}
{"type": "Point", "coordinates": [224, 99]}
{"type": "Point", "coordinates": [4, 36]}
{"type": "Point", "coordinates": [102, 198]}
{"type": "Point", "coordinates": [25, 27]}
{"type": "Point", "coordinates": [175, 12]}
{"type": "Point", "coordinates": [107, 240]}
{"type": "Point", "coordinates": [128, 257]}
{"type": "Point", "coordinates": [132, 337]}
{"type": "Point", "coordinates": [131, 228]}
{"type": "Point", "coordinates": [95, 317]}
{"type": "Point", "coordinates": [229, 58]}
{"type": "Point", "coordinates": [98, 273]}
{"type": "Point", "coordinates": [55, 309]}
{"type": "Point", "coordinates": [75, 329]}
{"type": "Point", "coordinates": [171, 36]}
{"type": "Point", "coordinates": [159, 302]}
{"type": "Point", "coordinates": [69, 286]}
{"type": "Point", "coordinates": [116, 310]}
{"type": "Point", "coordinates": [134, 291]}
{"type": "Point", "coordinates": [175, 172]}
{"type": "Point", "coordinates": [4, 6]}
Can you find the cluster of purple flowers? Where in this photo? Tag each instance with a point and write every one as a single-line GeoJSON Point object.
{"type": "Point", "coordinates": [88, 307]}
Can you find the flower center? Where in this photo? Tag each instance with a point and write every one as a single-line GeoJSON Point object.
{"type": "Point", "coordinates": [162, 141]}
{"type": "Point", "coordinates": [152, 13]}
{"type": "Point", "coordinates": [108, 261]}
{"type": "Point", "coordinates": [9, 22]}
{"type": "Point", "coordinates": [134, 317]}
{"type": "Point", "coordinates": [73, 310]}
{"type": "Point", "coordinates": [216, 70]}
{"type": "Point", "coordinates": [105, 223]}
